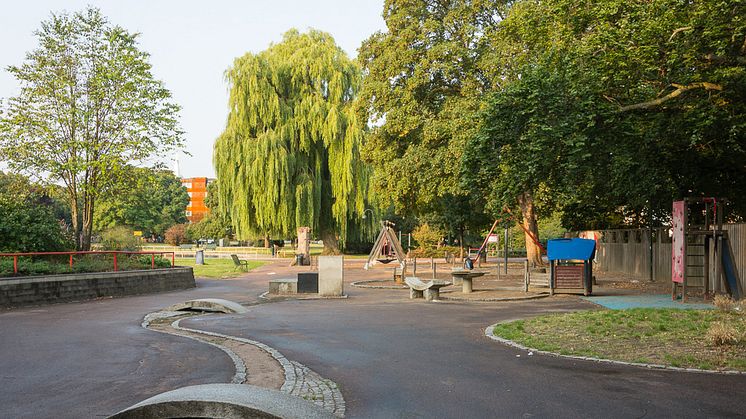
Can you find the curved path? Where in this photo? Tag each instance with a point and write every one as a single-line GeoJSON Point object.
{"type": "Point", "coordinates": [391, 356]}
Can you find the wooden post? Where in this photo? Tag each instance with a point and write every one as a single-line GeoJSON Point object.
{"type": "Point", "coordinates": [414, 267]}
{"type": "Point", "coordinates": [434, 271]}
{"type": "Point", "coordinates": [526, 275]}
{"type": "Point", "coordinates": [506, 251]}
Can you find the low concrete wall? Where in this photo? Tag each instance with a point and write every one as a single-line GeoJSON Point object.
{"type": "Point", "coordinates": [39, 290]}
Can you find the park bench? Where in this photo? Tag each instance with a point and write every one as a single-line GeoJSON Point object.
{"type": "Point", "coordinates": [243, 264]}
{"type": "Point", "coordinates": [465, 277]}
{"type": "Point", "coordinates": [399, 272]}
{"type": "Point", "coordinates": [429, 290]}
{"type": "Point", "coordinates": [185, 246]}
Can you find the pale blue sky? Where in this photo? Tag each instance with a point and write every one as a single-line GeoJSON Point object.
{"type": "Point", "coordinates": [192, 43]}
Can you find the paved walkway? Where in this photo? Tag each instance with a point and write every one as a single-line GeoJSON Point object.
{"type": "Point", "coordinates": [392, 357]}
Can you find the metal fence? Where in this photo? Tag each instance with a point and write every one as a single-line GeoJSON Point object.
{"type": "Point", "coordinates": [636, 251]}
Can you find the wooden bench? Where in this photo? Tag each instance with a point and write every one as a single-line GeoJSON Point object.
{"type": "Point", "coordinates": [465, 277]}
{"type": "Point", "coordinates": [399, 272]}
{"type": "Point", "coordinates": [428, 290]}
{"type": "Point", "coordinates": [242, 264]}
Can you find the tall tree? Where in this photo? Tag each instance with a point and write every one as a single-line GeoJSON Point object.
{"type": "Point", "coordinates": [88, 106]}
{"type": "Point", "coordinates": [289, 155]}
{"type": "Point", "coordinates": [144, 199]}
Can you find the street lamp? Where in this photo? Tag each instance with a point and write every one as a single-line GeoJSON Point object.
{"type": "Point", "coordinates": [366, 210]}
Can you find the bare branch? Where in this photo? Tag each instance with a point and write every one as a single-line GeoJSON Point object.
{"type": "Point", "coordinates": [676, 31]}
{"type": "Point", "coordinates": [679, 90]}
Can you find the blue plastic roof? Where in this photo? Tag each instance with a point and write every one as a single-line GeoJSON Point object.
{"type": "Point", "coordinates": [563, 249]}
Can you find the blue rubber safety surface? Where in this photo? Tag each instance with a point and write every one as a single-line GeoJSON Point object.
{"type": "Point", "coordinates": [623, 302]}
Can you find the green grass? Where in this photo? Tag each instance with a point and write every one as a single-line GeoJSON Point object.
{"type": "Point", "coordinates": [659, 336]}
{"type": "Point", "coordinates": [216, 268]}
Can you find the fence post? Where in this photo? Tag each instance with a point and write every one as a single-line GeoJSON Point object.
{"type": "Point", "coordinates": [115, 262]}
{"type": "Point", "coordinates": [526, 276]}
{"type": "Point", "coordinates": [152, 261]}
{"type": "Point", "coordinates": [71, 262]}
{"type": "Point", "coordinates": [173, 259]}
{"type": "Point", "coordinates": [15, 264]}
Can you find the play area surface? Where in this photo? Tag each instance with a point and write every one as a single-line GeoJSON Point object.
{"type": "Point", "coordinates": [623, 302]}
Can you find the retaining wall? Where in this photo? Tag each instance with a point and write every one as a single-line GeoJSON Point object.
{"type": "Point", "coordinates": [37, 290]}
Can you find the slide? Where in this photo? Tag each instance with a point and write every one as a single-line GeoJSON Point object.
{"type": "Point", "coordinates": [732, 280]}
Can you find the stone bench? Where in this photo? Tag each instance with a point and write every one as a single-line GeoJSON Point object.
{"type": "Point", "coordinates": [428, 290]}
{"type": "Point", "coordinates": [465, 277]}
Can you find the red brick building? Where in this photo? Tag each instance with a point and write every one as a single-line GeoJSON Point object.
{"type": "Point", "coordinates": [197, 190]}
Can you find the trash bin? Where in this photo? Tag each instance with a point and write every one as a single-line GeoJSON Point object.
{"type": "Point", "coordinates": [299, 259]}
{"type": "Point", "coordinates": [199, 257]}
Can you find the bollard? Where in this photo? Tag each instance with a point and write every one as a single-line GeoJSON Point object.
{"type": "Point", "coordinates": [526, 276]}
{"type": "Point", "coordinates": [434, 269]}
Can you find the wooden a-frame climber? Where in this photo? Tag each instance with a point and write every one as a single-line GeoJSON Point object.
{"type": "Point", "coordinates": [386, 248]}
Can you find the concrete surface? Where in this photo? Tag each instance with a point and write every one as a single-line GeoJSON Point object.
{"type": "Point", "coordinates": [331, 276]}
{"type": "Point", "coordinates": [283, 286]}
{"type": "Point", "coordinates": [218, 305]}
{"type": "Point", "coordinates": [391, 356]}
{"type": "Point", "coordinates": [37, 290]}
{"type": "Point", "coordinates": [226, 401]}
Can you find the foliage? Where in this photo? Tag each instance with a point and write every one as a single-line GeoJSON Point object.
{"type": "Point", "coordinates": [427, 237]}
{"type": "Point", "coordinates": [29, 218]}
{"type": "Point", "coordinates": [289, 155]}
{"type": "Point", "coordinates": [87, 107]}
{"type": "Point", "coordinates": [82, 264]}
{"type": "Point", "coordinates": [145, 199]}
{"type": "Point", "coordinates": [177, 234]}
{"type": "Point", "coordinates": [120, 238]}
{"type": "Point", "coordinates": [212, 226]}
{"type": "Point", "coordinates": [721, 334]}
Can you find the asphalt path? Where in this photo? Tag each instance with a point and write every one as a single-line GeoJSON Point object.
{"type": "Point", "coordinates": [392, 357]}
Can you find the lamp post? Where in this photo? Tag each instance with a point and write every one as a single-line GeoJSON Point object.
{"type": "Point", "coordinates": [366, 210]}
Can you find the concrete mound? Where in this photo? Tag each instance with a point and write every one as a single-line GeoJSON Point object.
{"type": "Point", "coordinates": [217, 305]}
{"type": "Point", "coordinates": [223, 401]}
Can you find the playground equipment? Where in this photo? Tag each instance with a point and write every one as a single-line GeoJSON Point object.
{"type": "Point", "coordinates": [571, 266]}
{"type": "Point", "coordinates": [697, 223]}
{"type": "Point", "coordinates": [386, 248]}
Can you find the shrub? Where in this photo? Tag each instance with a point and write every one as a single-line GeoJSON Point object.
{"type": "Point", "coordinates": [722, 334]}
{"type": "Point", "coordinates": [177, 234]}
{"type": "Point", "coordinates": [120, 238]}
{"type": "Point", "coordinates": [427, 237]}
{"type": "Point", "coordinates": [26, 225]}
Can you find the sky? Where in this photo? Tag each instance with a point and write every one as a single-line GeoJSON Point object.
{"type": "Point", "coordinates": [192, 43]}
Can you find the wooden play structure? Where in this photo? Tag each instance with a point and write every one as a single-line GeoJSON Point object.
{"type": "Point", "coordinates": [701, 248]}
{"type": "Point", "coordinates": [387, 249]}
{"type": "Point", "coordinates": [571, 265]}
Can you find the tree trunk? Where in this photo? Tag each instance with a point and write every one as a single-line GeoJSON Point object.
{"type": "Point", "coordinates": [266, 241]}
{"type": "Point", "coordinates": [530, 224]}
{"type": "Point", "coordinates": [461, 243]}
{"type": "Point", "coordinates": [331, 244]}
{"type": "Point", "coordinates": [75, 222]}
{"type": "Point", "coordinates": [85, 242]}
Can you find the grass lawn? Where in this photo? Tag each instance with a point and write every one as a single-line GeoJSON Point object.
{"type": "Point", "coordinates": [216, 268]}
{"type": "Point", "coordinates": [672, 337]}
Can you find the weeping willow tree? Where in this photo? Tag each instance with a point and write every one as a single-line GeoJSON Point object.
{"type": "Point", "coordinates": [289, 155]}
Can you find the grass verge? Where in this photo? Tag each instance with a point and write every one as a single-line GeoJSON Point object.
{"type": "Point", "coordinates": [677, 338]}
{"type": "Point", "coordinates": [215, 268]}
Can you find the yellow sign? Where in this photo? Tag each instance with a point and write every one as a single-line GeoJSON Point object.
{"type": "Point", "coordinates": [137, 233]}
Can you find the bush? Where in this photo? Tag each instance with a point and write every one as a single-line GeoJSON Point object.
{"type": "Point", "coordinates": [177, 234]}
{"type": "Point", "coordinates": [427, 237]}
{"type": "Point", "coordinates": [722, 334]}
{"type": "Point", "coordinates": [27, 225]}
{"type": "Point", "coordinates": [724, 303]}
{"type": "Point", "coordinates": [120, 238]}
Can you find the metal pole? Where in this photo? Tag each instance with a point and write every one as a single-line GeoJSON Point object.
{"type": "Point", "coordinates": [409, 241]}
{"type": "Point", "coordinates": [506, 251]}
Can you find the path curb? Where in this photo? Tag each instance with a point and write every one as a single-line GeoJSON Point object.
{"type": "Point", "coordinates": [489, 332]}
{"type": "Point", "coordinates": [364, 284]}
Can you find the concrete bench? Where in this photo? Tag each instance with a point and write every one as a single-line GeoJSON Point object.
{"type": "Point", "coordinates": [428, 290]}
{"type": "Point", "coordinates": [465, 277]}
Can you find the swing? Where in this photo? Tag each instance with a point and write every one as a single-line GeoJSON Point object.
{"type": "Point", "coordinates": [386, 256]}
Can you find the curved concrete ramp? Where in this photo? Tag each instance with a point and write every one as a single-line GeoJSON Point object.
{"type": "Point", "coordinates": [223, 401]}
{"type": "Point", "coordinates": [217, 305]}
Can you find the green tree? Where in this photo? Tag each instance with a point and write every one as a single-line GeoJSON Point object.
{"type": "Point", "coordinates": [88, 106]}
{"type": "Point", "coordinates": [29, 219]}
{"type": "Point", "coordinates": [215, 224]}
{"type": "Point", "coordinates": [144, 199]}
{"type": "Point", "coordinates": [289, 156]}
{"type": "Point", "coordinates": [422, 90]}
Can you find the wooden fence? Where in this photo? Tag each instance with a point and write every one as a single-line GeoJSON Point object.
{"type": "Point", "coordinates": [633, 252]}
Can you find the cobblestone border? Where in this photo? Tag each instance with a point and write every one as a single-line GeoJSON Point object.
{"type": "Point", "coordinates": [364, 284]}
{"type": "Point", "coordinates": [287, 297]}
{"type": "Point", "coordinates": [489, 332]}
{"type": "Point", "coordinates": [300, 381]}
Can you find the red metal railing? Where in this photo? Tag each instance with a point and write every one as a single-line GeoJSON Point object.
{"type": "Point", "coordinates": [15, 256]}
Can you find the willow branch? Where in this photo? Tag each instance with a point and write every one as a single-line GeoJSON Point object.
{"type": "Point", "coordinates": [676, 32]}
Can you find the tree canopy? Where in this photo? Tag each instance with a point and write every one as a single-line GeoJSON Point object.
{"type": "Point", "coordinates": [88, 106]}
{"type": "Point", "coordinates": [144, 199]}
{"type": "Point", "coordinates": [290, 152]}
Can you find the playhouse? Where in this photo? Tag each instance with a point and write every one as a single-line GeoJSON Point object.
{"type": "Point", "coordinates": [571, 265]}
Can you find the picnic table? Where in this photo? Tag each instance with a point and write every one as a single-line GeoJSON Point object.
{"type": "Point", "coordinates": [465, 277]}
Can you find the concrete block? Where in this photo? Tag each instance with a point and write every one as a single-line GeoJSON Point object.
{"type": "Point", "coordinates": [331, 276]}
{"type": "Point", "coordinates": [283, 286]}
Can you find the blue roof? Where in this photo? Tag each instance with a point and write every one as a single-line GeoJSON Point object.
{"type": "Point", "coordinates": [563, 249]}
